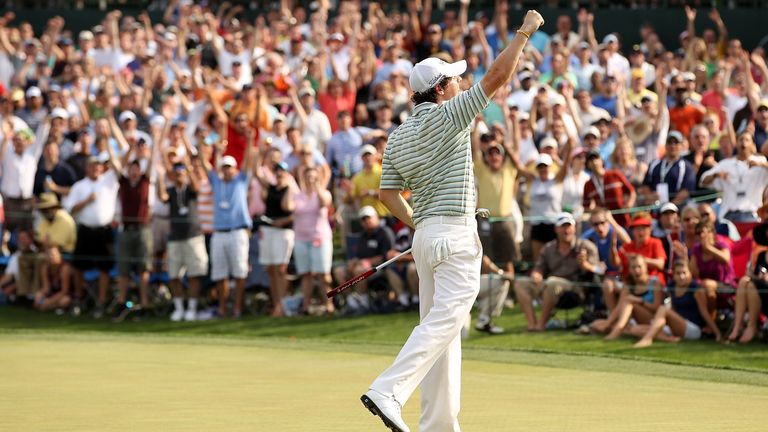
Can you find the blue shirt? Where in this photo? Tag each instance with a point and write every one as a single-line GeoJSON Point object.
{"type": "Point", "coordinates": [606, 103]}
{"type": "Point", "coordinates": [343, 151]}
{"type": "Point", "coordinates": [603, 246]}
{"type": "Point", "coordinates": [679, 175]}
{"type": "Point", "coordinates": [230, 201]}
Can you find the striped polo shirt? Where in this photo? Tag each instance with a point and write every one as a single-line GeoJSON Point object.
{"type": "Point", "coordinates": [431, 155]}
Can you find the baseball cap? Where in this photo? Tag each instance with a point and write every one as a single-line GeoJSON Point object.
{"type": "Point", "coordinates": [93, 159]}
{"type": "Point", "coordinates": [592, 130]}
{"type": "Point", "coordinates": [544, 159]}
{"type": "Point", "coordinates": [611, 38]}
{"type": "Point", "coordinates": [578, 151]}
{"type": "Point", "coordinates": [557, 99]}
{"type": "Point", "coordinates": [522, 115]}
{"type": "Point", "coordinates": [228, 161]}
{"type": "Point", "coordinates": [689, 76]}
{"type": "Point", "coordinates": [637, 73]}
{"type": "Point", "coordinates": [280, 118]}
{"type": "Point", "coordinates": [429, 72]}
{"type": "Point", "coordinates": [367, 149]}
{"type": "Point", "coordinates": [367, 211]}
{"type": "Point", "coordinates": [496, 146]}
{"type": "Point", "coordinates": [98, 29]}
{"type": "Point", "coordinates": [669, 207]}
{"type": "Point", "coordinates": [59, 112]}
{"type": "Point", "coordinates": [34, 92]}
{"type": "Point", "coordinates": [336, 37]}
{"type": "Point", "coordinates": [281, 166]}
{"type": "Point", "coordinates": [126, 115]}
{"type": "Point", "coordinates": [524, 75]}
{"type": "Point", "coordinates": [306, 91]}
{"type": "Point", "coordinates": [564, 219]}
{"type": "Point", "coordinates": [548, 142]}
{"type": "Point", "coordinates": [584, 45]}
{"type": "Point", "coordinates": [676, 135]}
{"type": "Point", "coordinates": [763, 104]}
{"type": "Point", "coordinates": [593, 154]}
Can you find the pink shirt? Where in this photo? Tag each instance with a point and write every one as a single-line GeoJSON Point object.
{"type": "Point", "coordinates": [310, 221]}
{"type": "Point", "coordinates": [256, 206]}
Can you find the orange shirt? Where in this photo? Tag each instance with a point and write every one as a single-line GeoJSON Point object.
{"type": "Point", "coordinates": [331, 106]}
{"type": "Point", "coordinates": [684, 118]}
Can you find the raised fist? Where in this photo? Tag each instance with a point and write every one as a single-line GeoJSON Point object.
{"type": "Point", "coordinates": [532, 22]}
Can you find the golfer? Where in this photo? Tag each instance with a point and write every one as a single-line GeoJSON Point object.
{"type": "Point", "coordinates": [431, 154]}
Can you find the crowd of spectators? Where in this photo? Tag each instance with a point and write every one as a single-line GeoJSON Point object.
{"type": "Point", "coordinates": [213, 150]}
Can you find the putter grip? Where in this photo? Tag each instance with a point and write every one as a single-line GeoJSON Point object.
{"type": "Point", "coordinates": [351, 282]}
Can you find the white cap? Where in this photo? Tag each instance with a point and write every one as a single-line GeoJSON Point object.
{"type": "Point", "coordinates": [565, 218]}
{"type": "Point", "coordinates": [544, 159]}
{"type": "Point", "coordinates": [170, 37]}
{"type": "Point", "coordinates": [610, 38]}
{"type": "Point", "coordinates": [86, 35]}
{"type": "Point", "coordinates": [367, 211]}
{"type": "Point", "coordinates": [34, 92]}
{"type": "Point", "coordinates": [157, 121]}
{"type": "Point", "coordinates": [366, 149]}
{"type": "Point", "coordinates": [429, 72]}
{"type": "Point", "coordinates": [689, 76]}
{"type": "Point", "coordinates": [126, 115]}
{"type": "Point", "coordinates": [228, 161]}
{"type": "Point", "coordinates": [524, 75]}
{"type": "Point", "coordinates": [523, 115]}
{"type": "Point", "coordinates": [557, 99]}
{"type": "Point", "coordinates": [548, 142]}
{"type": "Point", "coordinates": [592, 130]}
{"type": "Point", "coordinates": [669, 207]}
{"type": "Point", "coordinates": [306, 91]}
{"type": "Point", "coordinates": [336, 37]}
{"type": "Point", "coordinates": [59, 112]}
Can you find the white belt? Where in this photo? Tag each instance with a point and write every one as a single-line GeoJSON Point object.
{"type": "Point", "coordinates": [447, 220]}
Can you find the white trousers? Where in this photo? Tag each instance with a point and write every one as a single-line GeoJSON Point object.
{"type": "Point", "coordinates": [448, 253]}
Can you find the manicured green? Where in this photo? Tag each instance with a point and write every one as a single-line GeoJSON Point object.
{"type": "Point", "coordinates": [389, 331]}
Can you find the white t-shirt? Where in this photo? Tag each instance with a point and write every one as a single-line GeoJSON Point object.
{"type": "Point", "coordinates": [743, 189]}
{"type": "Point", "coordinates": [102, 210]}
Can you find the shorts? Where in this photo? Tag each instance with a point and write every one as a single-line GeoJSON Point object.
{"type": "Point", "coordinates": [543, 232]}
{"type": "Point", "coordinates": [134, 245]}
{"type": "Point", "coordinates": [276, 245]}
{"type": "Point", "coordinates": [161, 229]}
{"type": "Point", "coordinates": [94, 248]}
{"type": "Point", "coordinates": [313, 257]}
{"type": "Point", "coordinates": [187, 257]}
{"type": "Point", "coordinates": [557, 285]}
{"type": "Point", "coordinates": [229, 254]}
{"type": "Point", "coordinates": [498, 239]}
{"type": "Point", "coordinates": [692, 331]}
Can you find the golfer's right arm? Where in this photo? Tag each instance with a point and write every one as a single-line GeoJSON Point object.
{"type": "Point", "coordinates": [505, 64]}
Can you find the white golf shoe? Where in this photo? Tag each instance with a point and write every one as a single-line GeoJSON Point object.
{"type": "Point", "coordinates": [387, 408]}
{"type": "Point", "coordinates": [177, 315]}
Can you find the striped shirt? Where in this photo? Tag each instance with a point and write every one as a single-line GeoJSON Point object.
{"type": "Point", "coordinates": [205, 206]}
{"type": "Point", "coordinates": [431, 155]}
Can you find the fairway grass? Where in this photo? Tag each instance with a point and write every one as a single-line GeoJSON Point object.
{"type": "Point", "coordinates": [105, 382]}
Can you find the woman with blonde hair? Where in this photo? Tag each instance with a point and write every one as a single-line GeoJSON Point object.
{"type": "Point", "coordinates": [624, 159]}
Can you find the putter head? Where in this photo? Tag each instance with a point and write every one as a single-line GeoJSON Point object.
{"type": "Point", "coordinates": [483, 212]}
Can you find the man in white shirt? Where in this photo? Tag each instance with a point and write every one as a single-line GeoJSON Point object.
{"type": "Point", "coordinates": [588, 113]}
{"type": "Point", "coordinates": [617, 63]}
{"type": "Point", "coordinates": [742, 179]}
{"type": "Point", "coordinates": [92, 201]}
{"type": "Point", "coordinates": [313, 122]}
{"type": "Point", "coordinates": [19, 163]}
{"type": "Point", "coordinates": [524, 96]}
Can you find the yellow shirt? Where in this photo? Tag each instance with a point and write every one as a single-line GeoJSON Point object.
{"type": "Point", "coordinates": [61, 231]}
{"type": "Point", "coordinates": [635, 98]}
{"type": "Point", "coordinates": [369, 181]}
{"type": "Point", "coordinates": [495, 189]}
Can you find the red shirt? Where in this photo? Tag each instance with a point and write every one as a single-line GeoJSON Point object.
{"type": "Point", "coordinates": [615, 185]}
{"type": "Point", "coordinates": [712, 101]}
{"type": "Point", "coordinates": [653, 248]}
{"type": "Point", "coordinates": [135, 201]}
{"type": "Point", "coordinates": [236, 143]}
{"type": "Point", "coordinates": [684, 118]}
{"type": "Point", "coordinates": [331, 106]}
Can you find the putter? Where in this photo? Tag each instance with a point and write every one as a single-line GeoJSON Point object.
{"type": "Point", "coordinates": [482, 212]}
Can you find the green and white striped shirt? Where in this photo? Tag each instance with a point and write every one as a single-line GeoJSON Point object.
{"type": "Point", "coordinates": [431, 155]}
